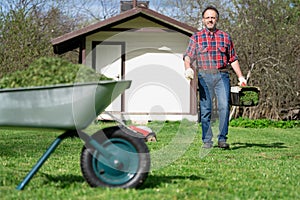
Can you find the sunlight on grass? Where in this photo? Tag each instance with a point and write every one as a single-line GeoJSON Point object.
{"type": "Point", "coordinates": [261, 164]}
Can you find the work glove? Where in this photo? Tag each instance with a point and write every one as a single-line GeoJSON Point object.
{"type": "Point", "coordinates": [242, 81]}
{"type": "Point", "coordinates": [189, 73]}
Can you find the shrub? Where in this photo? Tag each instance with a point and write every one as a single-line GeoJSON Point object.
{"type": "Point", "coordinates": [263, 123]}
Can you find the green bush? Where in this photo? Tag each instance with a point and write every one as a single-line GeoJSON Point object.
{"type": "Point", "coordinates": [50, 71]}
{"type": "Point", "coordinates": [263, 123]}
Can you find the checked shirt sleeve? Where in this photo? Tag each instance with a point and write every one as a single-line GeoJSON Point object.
{"type": "Point", "coordinates": [232, 53]}
{"type": "Point", "coordinates": [191, 50]}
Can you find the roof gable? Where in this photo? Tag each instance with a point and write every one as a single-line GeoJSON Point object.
{"type": "Point", "coordinates": [137, 23]}
{"type": "Point", "coordinates": [137, 17]}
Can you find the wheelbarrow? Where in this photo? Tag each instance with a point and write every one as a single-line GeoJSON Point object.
{"type": "Point", "coordinates": [112, 157]}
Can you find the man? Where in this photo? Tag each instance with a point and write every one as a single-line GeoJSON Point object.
{"type": "Point", "coordinates": [213, 52]}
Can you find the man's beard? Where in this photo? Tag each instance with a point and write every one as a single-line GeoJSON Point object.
{"type": "Point", "coordinates": [212, 28]}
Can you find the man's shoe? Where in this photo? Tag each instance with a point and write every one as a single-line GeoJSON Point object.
{"type": "Point", "coordinates": [223, 145]}
{"type": "Point", "coordinates": [207, 145]}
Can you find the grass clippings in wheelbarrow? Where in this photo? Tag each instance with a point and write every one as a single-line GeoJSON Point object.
{"type": "Point", "coordinates": [51, 71]}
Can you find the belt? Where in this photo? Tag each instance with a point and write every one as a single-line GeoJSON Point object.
{"type": "Point", "coordinates": [213, 71]}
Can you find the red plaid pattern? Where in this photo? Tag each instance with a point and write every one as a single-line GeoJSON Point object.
{"type": "Point", "coordinates": [211, 51]}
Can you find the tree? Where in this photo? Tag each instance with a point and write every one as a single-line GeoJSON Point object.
{"type": "Point", "coordinates": [267, 39]}
{"type": "Point", "coordinates": [265, 33]}
{"type": "Point", "coordinates": [27, 27]}
{"type": "Point", "coordinates": [190, 11]}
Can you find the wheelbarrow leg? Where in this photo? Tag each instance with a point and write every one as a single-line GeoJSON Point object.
{"type": "Point", "coordinates": [44, 157]}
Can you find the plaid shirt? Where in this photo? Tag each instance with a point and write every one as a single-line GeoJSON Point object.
{"type": "Point", "coordinates": [214, 51]}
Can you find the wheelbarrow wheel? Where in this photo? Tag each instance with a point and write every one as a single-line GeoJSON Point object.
{"type": "Point", "coordinates": [128, 163]}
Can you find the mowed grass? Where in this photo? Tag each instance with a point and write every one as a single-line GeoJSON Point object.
{"type": "Point", "coordinates": [261, 164]}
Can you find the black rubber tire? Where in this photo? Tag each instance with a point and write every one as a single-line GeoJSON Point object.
{"type": "Point", "coordinates": [124, 139]}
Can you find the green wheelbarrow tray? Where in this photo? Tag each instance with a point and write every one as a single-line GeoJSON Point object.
{"type": "Point", "coordinates": [72, 106]}
{"type": "Point", "coordinates": [122, 159]}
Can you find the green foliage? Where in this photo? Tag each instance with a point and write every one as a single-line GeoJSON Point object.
{"type": "Point", "coordinates": [21, 41]}
{"type": "Point", "coordinates": [259, 28]}
{"type": "Point", "coordinates": [27, 28]}
{"type": "Point", "coordinates": [263, 123]}
{"type": "Point", "coordinates": [50, 71]}
{"type": "Point", "coordinates": [249, 97]}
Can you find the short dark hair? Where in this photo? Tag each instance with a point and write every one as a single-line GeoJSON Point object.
{"type": "Point", "coordinates": [210, 8]}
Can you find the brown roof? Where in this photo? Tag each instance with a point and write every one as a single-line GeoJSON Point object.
{"type": "Point", "coordinates": [73, 39]}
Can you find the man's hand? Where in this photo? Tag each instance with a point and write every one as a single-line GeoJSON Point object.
{"type": "Point", "coordinates": [189, 74]}
{"type": "Point", "coordinates": [242, 81]}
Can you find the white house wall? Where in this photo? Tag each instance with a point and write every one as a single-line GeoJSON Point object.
{"type": "Point", "coordinates": [154, 63]}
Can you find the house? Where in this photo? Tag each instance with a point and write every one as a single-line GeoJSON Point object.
{"type": "Point", "coordinates": [146, 47]}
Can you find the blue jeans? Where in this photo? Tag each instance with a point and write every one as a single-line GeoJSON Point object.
{"type": "Point", "coordinates": [214, 85]}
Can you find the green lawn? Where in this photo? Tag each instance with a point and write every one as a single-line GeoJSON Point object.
{"type": "Point", "coordinates": [261, 164]}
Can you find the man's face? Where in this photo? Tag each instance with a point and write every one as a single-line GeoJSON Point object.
{"type": "Point", "coordinates": [210, 19]}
